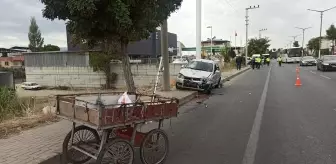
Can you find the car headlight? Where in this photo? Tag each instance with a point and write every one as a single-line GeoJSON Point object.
{"type": "Point", "coordinates": [180, 76]}
{"type": "Point", "coordinates": [325, 63]}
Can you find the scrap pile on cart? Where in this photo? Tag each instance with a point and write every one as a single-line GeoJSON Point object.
{"type": "Point", "coordinates": [107, 130]}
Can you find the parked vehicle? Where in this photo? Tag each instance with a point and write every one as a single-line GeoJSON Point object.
{"type": "Point", "coordinates": [307, 61]}
{"type": "Point", "coordinates": [199, 74]}
{"type": "Point", "coordinates": [30, 86]}
{"type": "Point", "coordinates": [326, 62]}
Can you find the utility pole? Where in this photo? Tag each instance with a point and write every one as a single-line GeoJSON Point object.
{"type": "Point", "coordinates": [165, 56]}
{"type": "Point", "coordinates": [198, 28]}
{"type": "Point", "coordinates": [321, 12]}
{"type": "Point", "coordinates": [303, 37]}
{"type": "Point", "coordinates": [210, 39]}
{"type": "Point", "coordinates": [247, 20]}
{"type": "Point", "coordinates": [264, 29]}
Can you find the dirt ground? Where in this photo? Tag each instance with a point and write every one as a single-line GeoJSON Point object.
{"type": "Point", "coordinates": [17, 125]}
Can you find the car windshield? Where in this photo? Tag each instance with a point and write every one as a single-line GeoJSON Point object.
{"type": "Point", "coordinates": [326, 58]}
{"type": "Point", "coordinates": [308, 57]}
{"type": "Point", "coordinates": [199, 65]}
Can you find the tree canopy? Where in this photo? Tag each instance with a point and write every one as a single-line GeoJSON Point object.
{"type": "Point", "coordinates": [331, 33]}
{"type": "Point", "coordinates": [111, 24]}
{"type": "Point", "coordinates": [313, 44]}
{"type": "Point", "coordinates": [296, 44]}
{"type": "Point", "coordinates": [258, 46]}
{"type": "Point", "coordinates": [50, 47]}
{"type": "Point", "coordinates": [35, 39]}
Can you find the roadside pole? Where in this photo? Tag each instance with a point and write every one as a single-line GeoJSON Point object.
{"type": "Point", "coordinates": [165, 56]}
{"type": "Point", "coordinates": [247, 20]}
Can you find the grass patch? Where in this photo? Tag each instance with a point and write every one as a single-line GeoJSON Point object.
{"type": "Point", "coordinates": [18, 114]}
{"type": "Point", "coordinates": [10, 104]}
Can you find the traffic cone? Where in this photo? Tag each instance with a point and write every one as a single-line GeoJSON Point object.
{"type": "Point", "coordinates": [298, 81]}
{"type": "Point", "coordinates": [297, 69]}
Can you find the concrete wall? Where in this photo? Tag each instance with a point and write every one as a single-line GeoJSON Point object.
{"type": "Point", "coordinates": [65, 76]}
{"type": "Point", "coordinates": [143, 74]}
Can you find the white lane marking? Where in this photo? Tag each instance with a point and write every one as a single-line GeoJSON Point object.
{"type": "Point", "coordinates": [252, 144]}
{"type": "Point", "coordinates": [325, 77]}
{"type": "Point", "coordinates": [312, 72]}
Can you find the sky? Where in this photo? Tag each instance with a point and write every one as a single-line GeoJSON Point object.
{"type": "Point", "coordinates": [279, 17]}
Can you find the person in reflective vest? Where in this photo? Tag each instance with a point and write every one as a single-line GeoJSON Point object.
{"type": "Point", "coordinates": [258, 62]}
{"type": "Point", "coordinates": [268, 60]}
{"type": "Point", "coordinates": [279, 60]}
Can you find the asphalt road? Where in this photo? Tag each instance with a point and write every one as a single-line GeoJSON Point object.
{"type": "Point", "coordinates": [259, 117]}
{"type": "Point", "coordinates": [286, 125]}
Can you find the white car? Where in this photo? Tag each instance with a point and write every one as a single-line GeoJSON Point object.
{"type": "Point", "coordinates": [180, 61]}
{"type": "Point", "coordinates": [199, 74]}
{"type": "Point", "coordinates": [30, 86]}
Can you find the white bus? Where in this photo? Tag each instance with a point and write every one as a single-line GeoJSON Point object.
{"type": "Point", "coordinates": [291, 55]}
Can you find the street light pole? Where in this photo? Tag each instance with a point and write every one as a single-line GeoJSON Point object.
{"type": "Point", "coordinates": [321, 12]}
{"type": "Point", "coordinates": [210, 39]}
{"type": "Point", "coordinates": [247, 20]}
{"type": "Point", "coordinates": [198, 28]}
{"type": "Point", "coordinates": [264, 29]}
{"type": "Point", "coordinates": [303, 37]}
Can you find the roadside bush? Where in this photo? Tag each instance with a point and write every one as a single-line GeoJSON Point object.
{"type": "Point", "coordinates": [10, 104]}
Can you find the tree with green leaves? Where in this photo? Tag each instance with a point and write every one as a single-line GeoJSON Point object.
{"type": "Point", "coordinates": [258, 46]}
{"type": "Point", "coordinates": [314, 45]}
{"type": "Point", "coordinates": [35, 39]}
{"type": "Point", "coordinates": [111, 24]}
{"type": "Point", "coordinates": [331, 35]}
{"type": "Point", "coordinates": [50, 47]}
{"type": "Point", "coordinates": [296, 44]}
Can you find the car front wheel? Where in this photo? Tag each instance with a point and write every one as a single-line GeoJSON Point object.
{"type": "Point", "coordinates": [323, 69]}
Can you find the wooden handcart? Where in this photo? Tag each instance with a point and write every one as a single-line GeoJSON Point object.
{"type": "Point", "coordinates": [107, 131]}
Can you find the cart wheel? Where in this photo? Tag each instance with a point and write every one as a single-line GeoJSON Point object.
{"type": "Point", "coordinates": [154, 147]}
{"type": "Point", "coordinates": [84, 137]}
{"type": "Point", "coordinates": [117, 151]}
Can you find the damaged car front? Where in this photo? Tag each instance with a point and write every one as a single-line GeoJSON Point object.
{"type": "Point", "coordinates": [202, 75]}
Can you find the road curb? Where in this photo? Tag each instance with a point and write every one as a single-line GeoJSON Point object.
{"type": "Point", "coordinates": [58, 156]}
{"type": "Point", "coordinates": [234, 75]}
{"type": "Point", "coordinates": [188, 98]}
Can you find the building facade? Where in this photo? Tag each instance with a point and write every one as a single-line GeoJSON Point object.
{"type": "Point", "coordinates": [146, 48]}
{"type": "Point", "coordinates": [12, 61]}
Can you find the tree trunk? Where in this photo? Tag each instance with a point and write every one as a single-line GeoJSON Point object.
{"type": "Point", "coordinates": [127, 69]}
{"type": "Point", "coordinates": [108, 78]}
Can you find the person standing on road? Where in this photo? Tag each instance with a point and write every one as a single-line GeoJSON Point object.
{"type": "Point", "coordinates": [258, 62]}
{"type": "Point", "coordinates": [279, 61]}
{"type": "Point", "coordinates": [268, 60]}
{"type": "Point", "coordinates": [239, 61]}
{"type": "Point", "coordinates": [253, 63]}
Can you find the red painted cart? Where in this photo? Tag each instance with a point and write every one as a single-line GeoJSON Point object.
{"type": "Point", "coordinates": [107, 131]}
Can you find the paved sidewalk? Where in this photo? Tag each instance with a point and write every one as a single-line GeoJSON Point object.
{"type": "Point", "coordinates": [233, 73]}
{"type": "Point", "coordinates": [39, 144]}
